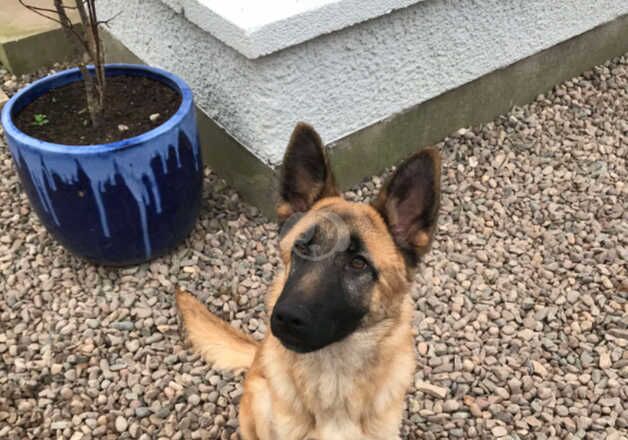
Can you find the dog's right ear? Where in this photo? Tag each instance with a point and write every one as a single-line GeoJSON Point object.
{"type": "Point", "coordinates": [306, 176]}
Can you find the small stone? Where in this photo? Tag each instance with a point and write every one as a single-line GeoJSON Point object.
{"type": "Point", "coordinates": [587, 358]}
{"type": "Point", "coordinates": [475, 410]}
{"type": "Point", "coordinates": [122, 127]}
{"type": "Point", "coordinates": [133, 345]}
{"type": "Point", "coordinates": [533, 421]}
{"type": "Point", "coordinates": [539, 369]}
{"type": "Point", "coordinates": [451, 406]}
{"type": "Point", "coordinates": [66, 393]}
{"type": "Point", "coordinates": [171, 359]}
{"type": "Point", "coordinates": [143, 312]}
{"type": "Point", "coordinates": [423, 348]}
{"type": "Point", "coordinates": [526, 334]}
{"type": "Point", "coordinates": [508, 330]}
{"type": "Point", "coordinates": [3, 99]}
{"type": "Point", "coordinates": [499, 431]}
{"type": "Point", "coordinates": [499, 160]}
{"type": "Point", "coordinates": [605, 360]}
{"type": "Point", "coordinates": [154, 117]}
{"type": "Point", "coordinates": [60, 425]}
{"type": "Point", "coordinates": [515, 385]}
{"type": "Point", "coordinates": [502, 393]}
{"type": "Point", "coordinates": [572, 296]}
{"type": "Point", "coordinates": [123, 325]}
{"type": "Point", "coordinates": [468, 365]}
{"type": "Point", "coordinates": [544, 392]}
{"type": "Point", "coordinates": [11, 85]}
{"type": "Point", "coordinates": [142, 411]}
{"type": "Point", "coordinates": [432, 390]}
{"type": "Point", "coordinates": [93, 323]}
{"type": "Point", "coordinates": [121, 424]}
{"type": "Point", "coordinates": [584, 422]}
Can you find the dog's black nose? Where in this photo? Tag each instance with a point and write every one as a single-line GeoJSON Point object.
{"type": "Point", "coordinates": [291, 318]}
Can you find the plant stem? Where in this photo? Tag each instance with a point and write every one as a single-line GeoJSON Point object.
{"type": "Point", "coordinates": [94, 86]}
{"type": "Point", "coordinates": [87, 47]}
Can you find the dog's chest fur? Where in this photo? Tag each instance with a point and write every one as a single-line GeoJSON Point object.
{"type": "Point", "coordinates": [341, 373]}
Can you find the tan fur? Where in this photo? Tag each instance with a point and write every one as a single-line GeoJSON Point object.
{"type": "Point", "coordinates": [351, 390]}
{"type": "Point", "coordinates": [220, 344]}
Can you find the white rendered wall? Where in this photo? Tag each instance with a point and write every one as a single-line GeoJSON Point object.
{"type": "Point", "coordinates": [255, 28]}
{"type": "Point", "coordinates": [354, 77]}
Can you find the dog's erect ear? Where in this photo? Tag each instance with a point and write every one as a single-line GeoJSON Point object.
{"type": "Point", "coordinates": [409, 202]}
{"type": "Point", "coordinates": [306, 176]}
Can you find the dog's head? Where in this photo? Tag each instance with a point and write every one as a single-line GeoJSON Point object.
{"type": "Point", "coordinates": [348, 265]}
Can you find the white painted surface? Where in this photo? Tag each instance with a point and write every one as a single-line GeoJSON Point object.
{"type": "Point", "coordinates": [357, 76]}
{"type": "Point", "coordinates": [254, 14]}
{"type": "Point", "coordinates": [256, 27]}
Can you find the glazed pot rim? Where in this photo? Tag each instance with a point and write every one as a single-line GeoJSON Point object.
{"type": "Point", "coordinates": [161, 75]}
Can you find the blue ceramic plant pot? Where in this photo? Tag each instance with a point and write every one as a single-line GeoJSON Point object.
{"type": "Point", "coordinates": [120, 203]}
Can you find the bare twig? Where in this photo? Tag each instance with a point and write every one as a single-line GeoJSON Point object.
{"type": "Point", "coordinates": [72, 35]}
{"type": "Point", "coordinates": [107, 21]}
{"type": "Point", "coordinates": [40, 11]}
{"type": "Point", "coordinates": [87, 46]}
{"type": "Point", "coordinates": [39, 8]}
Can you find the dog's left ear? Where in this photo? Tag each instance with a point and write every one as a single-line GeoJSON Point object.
{"type": "Point", "coordinates": [306, 176]}
{"type": "Point", "coordinates": [409, 202]}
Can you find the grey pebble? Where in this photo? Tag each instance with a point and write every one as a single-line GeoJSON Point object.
{"type": "Point", "coordinates": [142, 411]}
{"type": "Point", "coordinates": [123, 325]}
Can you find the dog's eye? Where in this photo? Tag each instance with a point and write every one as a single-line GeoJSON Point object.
{"type": "Point", "coordinates": [301, 247]}
{"type": "Point", "coordinates": [358, 263]}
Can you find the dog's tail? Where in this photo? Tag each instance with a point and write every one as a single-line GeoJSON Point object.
{"type": "Point", "coordinates": [220, 344]}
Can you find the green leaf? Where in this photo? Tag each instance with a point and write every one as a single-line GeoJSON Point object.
{"type": "Point", "coordinates": [40, 119]}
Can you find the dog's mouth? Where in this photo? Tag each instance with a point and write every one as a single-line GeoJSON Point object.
{"type": "Point", "coordinates": [300, 349]}
{"type": "Point", "coordinates": [296, 345]}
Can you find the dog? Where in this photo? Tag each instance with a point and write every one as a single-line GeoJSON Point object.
{"type": "Point", "coordinates": [340, 355]}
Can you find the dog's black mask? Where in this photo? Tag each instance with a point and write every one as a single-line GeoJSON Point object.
{"type": "Point", "coordinates": [327, 291]}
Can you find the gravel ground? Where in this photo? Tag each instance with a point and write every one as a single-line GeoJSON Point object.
{"type": "Point", "coordinates": [522, 307]}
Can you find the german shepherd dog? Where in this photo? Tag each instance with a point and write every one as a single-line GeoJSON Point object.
{"type": "Point", "coordinates": [340, 355]}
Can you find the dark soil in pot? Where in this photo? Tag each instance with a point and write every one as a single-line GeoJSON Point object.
{"type": "Point", "coordinates": [133, 105]}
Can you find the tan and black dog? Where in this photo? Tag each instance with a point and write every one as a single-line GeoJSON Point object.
{"type": "Point", "coordinates": [340, 355]}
